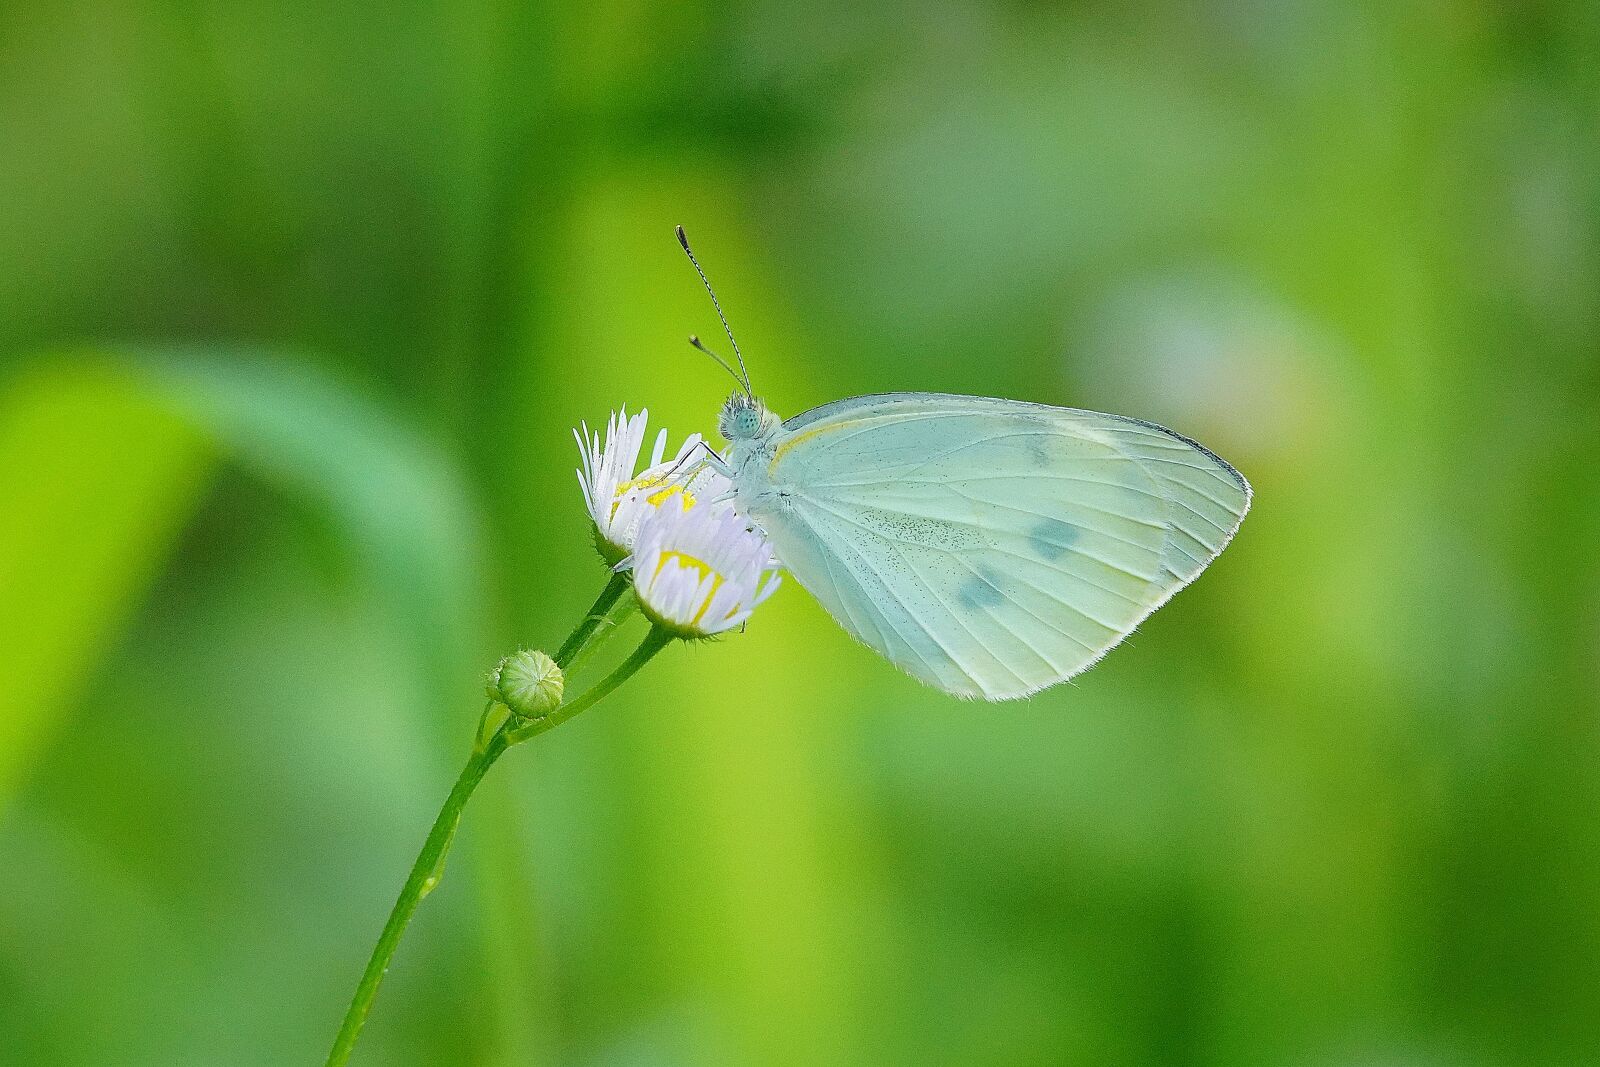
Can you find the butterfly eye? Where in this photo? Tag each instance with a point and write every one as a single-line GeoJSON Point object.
{"type": "Point", "coordinates": [741, 419]}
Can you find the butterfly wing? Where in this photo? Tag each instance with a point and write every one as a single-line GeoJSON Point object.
{"type": "Point", "coordinates": [992, 548]}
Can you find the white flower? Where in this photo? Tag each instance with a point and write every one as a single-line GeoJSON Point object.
{"type": "Point", "coordinates": [618, 499]}
{"type": "Point", "coordinates": [700, 570]}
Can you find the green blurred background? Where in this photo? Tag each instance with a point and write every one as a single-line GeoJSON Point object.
{"type": "Point", "coordinates": [298, 305]}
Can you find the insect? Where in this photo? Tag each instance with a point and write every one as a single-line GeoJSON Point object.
{"type": "Point", "coordinates": [989, 548]}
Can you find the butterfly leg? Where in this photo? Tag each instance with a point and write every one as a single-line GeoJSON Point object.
{"type": "Point", "coordinates": [698, 459]}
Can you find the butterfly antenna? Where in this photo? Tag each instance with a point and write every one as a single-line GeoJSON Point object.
{"type": "Point", "coordinates": [744, 375]}
{"type": "Point", "coordinates": [724, 364]}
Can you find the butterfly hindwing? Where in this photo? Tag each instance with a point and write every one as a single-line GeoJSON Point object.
{"type": "Point", "coordinates": [989, 547]}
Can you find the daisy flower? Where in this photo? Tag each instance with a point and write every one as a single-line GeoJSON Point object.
{"type": "Point", "coordinates": [699, 571]}
{"type": "Point", "coordinates": [618, 497]}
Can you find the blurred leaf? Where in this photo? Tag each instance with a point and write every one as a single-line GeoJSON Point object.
{"type": "Point", "coordinates": [97, 477]}
{"type": "Point", "coordinates": [101, 462]}
{"type": "Point", "coordinates": [396, 499]}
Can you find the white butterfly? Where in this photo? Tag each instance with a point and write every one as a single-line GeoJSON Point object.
{"type": "Point", "coordinates": [990, 548]}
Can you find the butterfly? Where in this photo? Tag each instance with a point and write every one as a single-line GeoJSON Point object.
{"type": "Point", "coordinates": [990, 548]}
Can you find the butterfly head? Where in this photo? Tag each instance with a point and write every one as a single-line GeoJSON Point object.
{"type": "Point", "coordinates": [744, 418]}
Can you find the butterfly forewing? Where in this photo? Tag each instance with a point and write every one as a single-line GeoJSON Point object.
{"type": "Point", "coordinates": [989, 547]}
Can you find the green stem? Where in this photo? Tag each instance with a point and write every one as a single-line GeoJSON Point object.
{"type": "Point", "coordinates": [424, 876]}
{"type": "Point", "coordinates": [429, 866]}
{"type": "Point", "coordinates": [604, 629]}
{"type": "Point", "coordinates": [585, 630]}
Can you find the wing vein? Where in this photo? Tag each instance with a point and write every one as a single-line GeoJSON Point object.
{"type": "Point", "coordinates": [1080, 642]}
{"type": "Point", "coordinates": [914, 573]}
{"type": "Point", "coordinates": [906, 609]}
{"type": "Point", "coordinates": [1046, 564]}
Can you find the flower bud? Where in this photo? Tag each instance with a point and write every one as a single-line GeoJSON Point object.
{"type": "Point", "coordinates": [528, 682]}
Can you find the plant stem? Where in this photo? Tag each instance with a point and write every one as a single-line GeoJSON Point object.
{"type": "Point", "coordinates": [424, 876]}
{"type": "Point", "coordinates": [607, 626]}
{"type": "Point", "coordinates": [585, 630]}
{"type": "Point", "coordinates": [428, 868]}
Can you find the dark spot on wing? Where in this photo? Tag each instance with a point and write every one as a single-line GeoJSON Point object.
{"type": "Point", "coordinates": [1051, 537]}
{"type": "Point", "coordinates": [982, 590]}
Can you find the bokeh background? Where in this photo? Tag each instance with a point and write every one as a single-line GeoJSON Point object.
{"type": "Point", "coordinates": [299, 303]}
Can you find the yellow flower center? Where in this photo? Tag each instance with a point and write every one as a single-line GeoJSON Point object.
{"type": "Point", "coordinates": [656, 499]}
